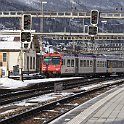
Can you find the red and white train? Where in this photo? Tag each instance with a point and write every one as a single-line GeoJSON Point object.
{"type": "Point", "coordinates": [81, 64]}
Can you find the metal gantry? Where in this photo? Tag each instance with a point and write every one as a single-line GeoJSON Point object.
{"type": "Point", "coordinates": [71, 36]}
{"type": "Point", "coordinates": [38, 14]}
{"type": "Point", "coordinates": [66, 35]}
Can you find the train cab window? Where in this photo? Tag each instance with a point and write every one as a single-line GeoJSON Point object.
{"type": "Point", "coordinates": [72, 63]}
{"type": "Point", "coordinates": [68, 63]}
{"type": "Point", "coordinates": [55, 60]}
{"type": "Point", "coordinates": [47, 60]}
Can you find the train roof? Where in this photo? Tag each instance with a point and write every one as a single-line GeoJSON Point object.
{"type": "Point", "coordinates": [52, 54]}
{"type": "Point", "coordinates": [85, 55]}
{"type": "Point", "coordinates": [113, 57]}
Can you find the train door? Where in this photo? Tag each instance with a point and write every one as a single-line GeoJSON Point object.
{"type": "Point", "coordinates": [76, 66]}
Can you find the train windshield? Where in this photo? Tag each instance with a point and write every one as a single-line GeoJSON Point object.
{"type": "Point", "coordinates": [47, 60]}
{"type": "Point", "coordinates": [54, 60]}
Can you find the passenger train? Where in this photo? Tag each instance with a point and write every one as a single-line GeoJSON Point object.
{"type": "Point", "coordinates": [54, 64]}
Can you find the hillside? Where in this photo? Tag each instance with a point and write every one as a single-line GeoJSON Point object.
{"type": "Point", "coordinates": [61, 5]}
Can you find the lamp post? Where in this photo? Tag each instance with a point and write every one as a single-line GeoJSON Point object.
{"type": "Point", "coordinates": [42, 24]}
{"type": "Point", "coordinates": [85, 28]}
{"type": "Point", "coordinates": [103, 23]}
{"type": "Point", "coordinates": [103, 26]}
{"type": "Point", "coordinates": [41, 28]}
{"type": "Point", "coordinates": [42, 11]}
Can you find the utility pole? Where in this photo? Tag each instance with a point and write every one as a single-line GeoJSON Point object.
{"type": "Point", "coordinates": [41, 28]}
{"type": "Point", "coordinates": [21, 61]}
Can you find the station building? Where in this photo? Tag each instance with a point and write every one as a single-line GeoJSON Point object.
{"type": "Point", "coordinates": [10, 56]}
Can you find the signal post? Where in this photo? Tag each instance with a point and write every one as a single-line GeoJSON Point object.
{"type": "Point", "coordinates": [25, 39]}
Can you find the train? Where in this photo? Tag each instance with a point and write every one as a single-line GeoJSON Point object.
{"type": "Point", "coordinates": [58, 65]}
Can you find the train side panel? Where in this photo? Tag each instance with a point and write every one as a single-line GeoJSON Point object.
{"type": "Point", "coordinates": [86, 65]}
{"type": "Point", "coordinates": [101, 65]}
{"type": "Point", "coordinates": [68, 65]}
{"type": "Point", "coordinates": [115, 66]}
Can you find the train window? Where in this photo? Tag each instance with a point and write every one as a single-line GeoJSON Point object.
{"type": "Point", "coordinates": [114, 64]}
{"type": "Point", "coordinates": [68, 63]}
{"type": "Point", "coordinates": [123, 64]}
{"type": "Point", "coordinates": [47, 60]}
{"type": "Point", "coordinates": [105, 64]}
{"type": "Point", "coordinates": [55, 60]}
{"type": "Point", "coordinates": [97, 63]}
{"type": "Point", "coordinates": [63, 61]}
{"type": "Point", "coordinates": [81, 63]}
{"type": "Point", "coordinates": [101, 64]}
{"type": "Point", "coordinates": [87, 63]}
{"type": "Point", "coordinates": [91, 63]}
{"type": "Point", "coordinates": [72, 63]}
{"type": "Point", "coordinates": [84, 63]}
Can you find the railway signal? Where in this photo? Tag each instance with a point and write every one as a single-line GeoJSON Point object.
{"type": "Point", "coordinates": [26, 39]}
{"type": "Point", "coordinates": [26, 45]}
{"type": "Point", "coordinates": [27, 22]}
{"type": "Point", "coordinates": [26, 36]}
{"type": "Point", "coordinates": [92, 30]}
{"type": "Point", "coordinates": [94, 17]}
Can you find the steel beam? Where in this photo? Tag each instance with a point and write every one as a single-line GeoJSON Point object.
{"type": "Point", "coordinates": [38, 14]}
{"type": "Point", "coordinates": [71, 36]}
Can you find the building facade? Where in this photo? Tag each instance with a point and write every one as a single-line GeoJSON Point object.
{"type": "Point", "coordinates": [11, 59]}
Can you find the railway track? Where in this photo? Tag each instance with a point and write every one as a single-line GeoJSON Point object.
{"type": "Point", "coordinates": [47, 87]}
{"type": "Point", "coordinates": [52, 104]}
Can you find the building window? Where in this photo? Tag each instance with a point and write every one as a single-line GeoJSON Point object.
{"type": "Point", "coordinates": [1, 64]}
{"type": "Point", "coordinates": [33, 62]}
{"type": "Point", "coordinates": [30, 62]}
{"type": "Point", "coordinates": [4, 57]}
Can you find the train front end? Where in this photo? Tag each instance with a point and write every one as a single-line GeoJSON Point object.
{"type": "Point", "coordinates": [51, 64]}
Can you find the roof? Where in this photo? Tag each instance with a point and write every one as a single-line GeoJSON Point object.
{"type": "Point", "coordinates": [10, 45]}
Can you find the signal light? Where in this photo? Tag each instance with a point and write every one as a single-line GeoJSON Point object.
{"type": "Point", "coordinates": [26, 45]}
{"type": "Point", "coordinates": [94, 17]}
{"type": "Point", "coordinates": [26, 36]}
{"type": "Point", "coordinates": [27, 22]}
{"type": "Point", "coordinates": [93, 30]}
{"type": "Point", "coordinates": [23, 36]}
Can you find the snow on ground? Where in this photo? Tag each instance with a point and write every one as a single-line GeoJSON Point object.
{"type": "Point", "coordinates": [13, 84]}
{"type": "Point", "coordinates": [40, 99]}
{"type": "Point", "coordinates": [34, 101]}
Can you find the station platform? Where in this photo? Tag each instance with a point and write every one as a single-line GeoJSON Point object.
{"type": "Point", "coordinates": [107, 108]}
